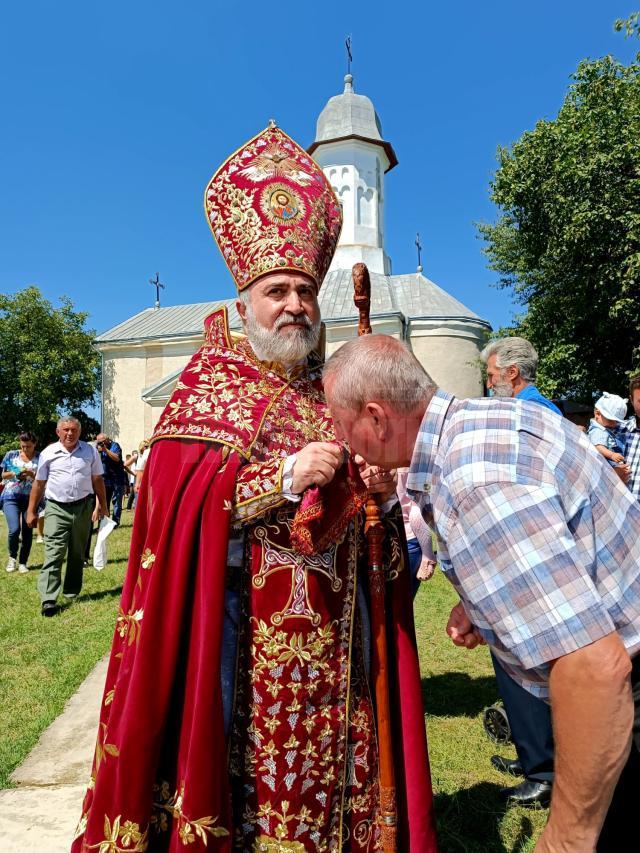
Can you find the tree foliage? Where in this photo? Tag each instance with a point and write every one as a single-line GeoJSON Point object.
{"type": "Point", "coordinates": [47, 364]}
{"type": "Point", "coordinates": [567, 241]}
{"type": "Point", "coordinates": [630, 25]}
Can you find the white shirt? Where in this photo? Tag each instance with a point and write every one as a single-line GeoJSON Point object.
{"type": "Point", "coordinates": [68, 473]}
{"type": "Point", "coordinates": [141, 461]}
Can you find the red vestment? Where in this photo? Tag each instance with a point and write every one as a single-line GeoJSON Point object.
{"type": "Point", "coordinates": [298, 770]}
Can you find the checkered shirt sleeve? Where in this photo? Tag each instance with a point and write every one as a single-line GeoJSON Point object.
{"type": "Point", "coordinates": [632, 455]}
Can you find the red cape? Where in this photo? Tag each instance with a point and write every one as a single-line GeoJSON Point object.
{"type": "Point", "coordinates": [159, 779]}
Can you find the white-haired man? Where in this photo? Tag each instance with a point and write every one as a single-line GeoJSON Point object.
{"type": "Point", "coordinates": [511, 366]}
{"type": "Point", "coordinates": [237, 696]}
{"type": "Point", "coordinates": [541, 541]}
{"type": "Point", "coordinates": [69, 475]}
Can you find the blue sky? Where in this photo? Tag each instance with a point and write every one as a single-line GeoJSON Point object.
{"type": "Point", "coordinates": [114, 116]}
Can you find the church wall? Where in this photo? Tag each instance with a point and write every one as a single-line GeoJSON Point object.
{"type": "Point", "coordinates": [122, 406]}
{"type": "Point", "coordinates": [452, 360]}
{"type": "Point", "coordinates": [127, 372]}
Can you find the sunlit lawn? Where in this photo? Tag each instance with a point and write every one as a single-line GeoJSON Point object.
{"type": "Point", "coordinates": [45, 660]}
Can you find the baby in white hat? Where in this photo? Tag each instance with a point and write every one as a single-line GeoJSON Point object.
{"type": "Point", "coordinates": [610, 411]}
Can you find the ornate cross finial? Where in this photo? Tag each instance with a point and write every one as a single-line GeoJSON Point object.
{"type": "Point", "coordinates": [419, 248]}
{"type": "Point", "coordinates": [157, 284]}
{"type": "Point", "coordinates": [347, 44]}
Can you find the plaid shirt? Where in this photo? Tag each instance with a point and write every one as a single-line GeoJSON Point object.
{"type": "Point", "coordinates": [537, 534]}
{"type": "Point", "coordinates": [630, 433]}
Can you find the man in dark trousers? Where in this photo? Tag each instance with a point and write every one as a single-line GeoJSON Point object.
{"type": "Point", "coordinates": [114, 473]}
{"type": "Point", "coordinates": [511, 365]}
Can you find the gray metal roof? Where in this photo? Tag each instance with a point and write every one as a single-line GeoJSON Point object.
{"type": "Point", "coordinates": [348, 114]}
{"type": "Point", "coordinates": [177, 321]}
{"type": "Point", "coordinates": [412, 295]}
{"type": "Point", "coordinates": [351, 116]}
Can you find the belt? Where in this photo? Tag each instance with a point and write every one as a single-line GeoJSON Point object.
{"type": "Point", "coordinates": [71, 503]}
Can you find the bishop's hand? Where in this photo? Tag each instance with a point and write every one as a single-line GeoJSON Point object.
{"type": "Point", "coordinates": [316, 465]}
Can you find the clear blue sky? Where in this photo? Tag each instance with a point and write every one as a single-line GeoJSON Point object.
{"type": "Point", "coordinates": [115, 115]}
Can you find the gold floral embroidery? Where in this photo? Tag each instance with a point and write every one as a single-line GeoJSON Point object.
{"type": "Point", "coordinates": [121, 837]}
{"type": "Point", "coordinates": [128, 625]}
{"type": "Point", "coordinates": [148, 558]}
{"type": "Point", "coordinates": [264, 844]}
{"type": "Point", "coordinates": [188, 828]}
{"type": "Point", "coordinates": [274, 647]}
{"type": "Point", "coordinates": [104, 749]}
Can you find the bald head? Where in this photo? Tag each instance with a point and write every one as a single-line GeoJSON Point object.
{"type": "Point", "coordinates": [377, 392]}
{"type": "Point", "coordinates": [377, 367]}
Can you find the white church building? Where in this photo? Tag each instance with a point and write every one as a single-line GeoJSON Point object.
{"type": "Point", "coordinates": [143, 357]}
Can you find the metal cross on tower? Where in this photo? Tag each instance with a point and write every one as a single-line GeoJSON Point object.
{"type": "Point", "coordinates": [347, 44]}
{"type": "Point", "coordinates": [157, 284]}
{"type": "Point", "coordinates": [419, 248]}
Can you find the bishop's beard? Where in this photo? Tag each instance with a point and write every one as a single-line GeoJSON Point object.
{"type": "Point", "coordinates": [285, 347]}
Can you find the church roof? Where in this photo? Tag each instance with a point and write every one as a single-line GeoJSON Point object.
{"type": "Point", "coordinates": [176, 321]}
{"type": "Point", "coordinates": [412, 295]}
{"type": "Point", "coordinates": [351, 116]}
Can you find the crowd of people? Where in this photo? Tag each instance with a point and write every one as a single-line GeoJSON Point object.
{"type": "Point", "coordinates": [64, 491]}
{"type": "Point", "coordinates": [256, 697]}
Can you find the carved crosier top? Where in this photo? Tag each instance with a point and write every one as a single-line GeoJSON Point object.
{"type": "Point", "coordinates": [362, 296]}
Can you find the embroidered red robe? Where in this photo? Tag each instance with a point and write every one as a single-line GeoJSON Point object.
{"type": "Point", "coordinates": [298, 771]}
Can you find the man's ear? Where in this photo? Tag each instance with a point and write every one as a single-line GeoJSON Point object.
{"type": "Point", "coordinates": [512, 372]}
{"type": "Point", "coordinates": [379, 420]}
{"type": "Point", "coordinates": [241, 308]}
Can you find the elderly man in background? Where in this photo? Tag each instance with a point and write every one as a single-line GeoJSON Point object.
{"type": "Point", "coordinates": [69, 474]}
{"type": "Point", "coordinates": [542, 542]}
{"type": "Point", "coordinates": [511, 365]}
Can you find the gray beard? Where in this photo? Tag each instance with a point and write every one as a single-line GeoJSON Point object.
{"type": "Point", "coordinates": [288, 348]}
{"type": "Point", "coordinates": [502, 389]}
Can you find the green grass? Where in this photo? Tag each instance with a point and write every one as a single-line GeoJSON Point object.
{"type": "Point", "coordinates": [45, 660]}
{"type": "Point", "coordinates": [457, 686]}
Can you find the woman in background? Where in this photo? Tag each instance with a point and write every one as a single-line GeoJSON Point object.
{"type": "Point", "coordinates": [18, 473]}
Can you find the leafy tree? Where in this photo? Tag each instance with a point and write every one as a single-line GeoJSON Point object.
{"type": "Point", "coordinates": [567, 241]}
{"type": "Point", "coordinates": [47, 364]}
{"type": "Point", "coordinates": [630, 25]}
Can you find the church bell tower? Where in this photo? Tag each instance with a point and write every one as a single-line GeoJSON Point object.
{"type": "Point", "coordinates": [355, 158]}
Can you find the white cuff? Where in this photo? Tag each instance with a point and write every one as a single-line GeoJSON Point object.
{"type": "Point", "coordinates": [287, 479]}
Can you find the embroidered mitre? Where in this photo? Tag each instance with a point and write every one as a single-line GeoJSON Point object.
{"type": "Point", "coordinates": [271, 208]}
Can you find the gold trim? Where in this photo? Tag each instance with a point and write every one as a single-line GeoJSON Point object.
{"type": "Point", "coordinates": [354, 604]}
{"type": "Point", "coordinates": [286, 268]}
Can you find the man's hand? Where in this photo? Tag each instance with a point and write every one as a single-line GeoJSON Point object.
{"type": "Point", "coordinates": [379, 482]}
{"type": "Point", "coordinates": [624, 472]}
{"type": "Point", "coordinates": [461, 629]}
{"type": "Point", "coordinates": [426, 569]}
{"type": "Point", "coordinates": [617, 458]}
{"type": "Point", "coordinates": [316, 465]}
{"type": "Point", "coordinates": [32, 517]}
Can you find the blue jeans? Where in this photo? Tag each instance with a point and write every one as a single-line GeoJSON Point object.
{"type": "Point", "coordinates": [115, 492]}
{"type": "Point", "coordinates": [15, 511]}
{"type": "Point", "coordinates": [415, 558]}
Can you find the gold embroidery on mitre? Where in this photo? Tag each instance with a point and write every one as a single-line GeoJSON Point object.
{"type": "Point", "coordinates": [270, 208]}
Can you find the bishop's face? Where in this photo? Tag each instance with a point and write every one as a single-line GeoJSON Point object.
{"type": "Point", "coordinates": [282, 316]}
